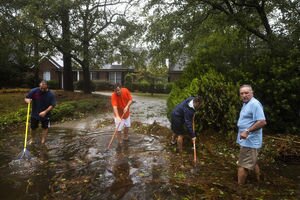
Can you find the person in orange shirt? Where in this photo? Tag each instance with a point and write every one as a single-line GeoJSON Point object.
{"type": "Point", "coordinates": [121, 100]}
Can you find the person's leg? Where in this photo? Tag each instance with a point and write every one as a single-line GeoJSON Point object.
{"type": "Point", "coordinates": [257, 172]}
{"type": "Point", "coordinates": [126, 130]}
{"type": "Point", "coordinates": [45, 125]}
{"type": "Point", "coordinates": [177, 128]}
{"type": "Point", "coordinates": [119, 137]}
{"type": "Point", "coordinates": [174, 139]}
{"type": "Point", "coordinates": [242, 175]}
{"type": "Point", "coordinates": [256, 169]}
{"type": "Point", "coordinates": [33, 126]}
{"type": "Point", "coordinates": [247, 161]}
{"type": "Point", "coordinates": [119, 125]}
{"type": "Point", "coordinates": [44, 135]}
{"type": "Point", "coordinates": [243, 162]}
{"type": "Point", "coordinates": [179, 142]}
{"type": "Point", "coordinates": [127, 124]}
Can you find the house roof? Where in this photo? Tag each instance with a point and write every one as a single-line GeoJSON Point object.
{"type": "Point", "coordinates": [57, 62]}
{"type": "Point", "coordinates": [113, 66]}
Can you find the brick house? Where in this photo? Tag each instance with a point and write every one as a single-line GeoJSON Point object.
{"type": "Point", "coordinates": [51, 69]}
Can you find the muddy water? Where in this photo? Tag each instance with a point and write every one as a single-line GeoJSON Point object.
{"type": "Point", "coordinates": [76, 164]}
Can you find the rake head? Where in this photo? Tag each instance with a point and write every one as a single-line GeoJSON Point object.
{"type": "Point", "coordinates": [25, 154]}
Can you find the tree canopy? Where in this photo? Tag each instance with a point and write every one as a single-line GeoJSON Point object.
{"type": "Point", "coordinates": [247, 41]}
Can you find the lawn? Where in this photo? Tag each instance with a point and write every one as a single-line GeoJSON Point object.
{"type": "Point", "coordinates": [11, 100]}
{"type": "Point", "coordinates": [69, 105]}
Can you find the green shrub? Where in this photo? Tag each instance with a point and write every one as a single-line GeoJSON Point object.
{"type": "Point", "coordinates": [280, 98]}
{"type": "Point", "coordinates": [13, 118]}
{"type": "Point", "coordinates": [177, 94]}
{"type": "Point", "coordinates": [168, 87]}
{"type": "Point", "coordinates": [220, 102]}
{"type": "Point", "coordinates": [53, 84]}
{"type": "Point", "coordinates": [87, 105]}
{"type": "Point", "coordinates": [135, 87]}
{"type": "Point", "coordinates": [62, 110]}
{"type": "Point", "coordinates": [129, 82]}
{"type": "Point", "coordinates": [144, 86]}
{"type": "Point", "coordinates": [159, 88]}
{"type": "Point", "coordinates": [103, 85]}
{"type": "Point", "coordinates": [80, 84]}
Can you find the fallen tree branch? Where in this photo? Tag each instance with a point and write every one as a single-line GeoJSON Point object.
{"type": "Point", "coordinates": [283, 139]}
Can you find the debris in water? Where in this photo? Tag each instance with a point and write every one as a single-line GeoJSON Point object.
{"type": "Point", "coordinates": [23, 166]}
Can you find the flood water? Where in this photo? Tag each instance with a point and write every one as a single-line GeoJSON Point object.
{"type": "Point", "coordinates": [76, 164]}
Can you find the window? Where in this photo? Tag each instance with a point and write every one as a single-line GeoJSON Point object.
{"type": "Point", "coordinates": [95, 76]}
{"type": "Point", "coordinates": [46, 76]}
{"type": "Point", "coordinates": [115, 77]}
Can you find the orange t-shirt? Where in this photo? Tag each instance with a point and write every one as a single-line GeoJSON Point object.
{"type": "Point", "coordinates": [121, 101]}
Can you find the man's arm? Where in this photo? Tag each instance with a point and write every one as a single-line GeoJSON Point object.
{"type": "Point", "coordinates": [257, 125]}
{"type": "Point", "coordinates": [127, 106]}
{"type": "Point", "coordinates": [27, 100]}
{"type": "Point", "coordinates": [44, 113]}
{"type": "Point", "coordinates": [50, 107]}
{"type": "Point", "coordinates": [116, 112]}
{"type": "Point", "coordinates": [188, 118]}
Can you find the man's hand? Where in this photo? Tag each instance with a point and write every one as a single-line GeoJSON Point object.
{"type": "Point", "coordinates": [244, 135]}
{"type": "Point", "coordinates": [42, 114]}
{"type": "Point", "coordinates": [125, 109]}
{"type": "Point", "coordinates": [118, 119]}
{"type": "Point", "coordinates": [194, 139]}
{"type": "Point", "coordinates": [27, 100]}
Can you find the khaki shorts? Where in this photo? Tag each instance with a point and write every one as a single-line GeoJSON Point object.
{"type": "Point", "coordinates": [248, 157]}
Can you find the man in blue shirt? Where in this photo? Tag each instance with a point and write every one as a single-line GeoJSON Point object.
{"type": "Point", "coordinates": [183, 117]}
{"type": "Point", "coordinates": [43, 101]}
{"type": "Point", "coordinates": [249, 137]}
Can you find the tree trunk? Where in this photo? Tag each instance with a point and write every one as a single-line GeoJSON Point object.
{"type": "Point", "coordinates": [86, 69]}
{"type": "Point", "coordinates": [68, 74]}
{"type": "Point", "coordinates": [36, 63]}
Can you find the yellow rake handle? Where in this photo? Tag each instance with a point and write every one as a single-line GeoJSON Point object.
{"type": "Point", "coordinates": [27, 122]}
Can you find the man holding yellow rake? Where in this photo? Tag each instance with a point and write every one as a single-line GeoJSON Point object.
{"type": "Point", "coordinates": [43, 101]}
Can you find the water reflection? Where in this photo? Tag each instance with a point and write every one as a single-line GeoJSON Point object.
{"type": "Point", "coordinates": [121, 172]}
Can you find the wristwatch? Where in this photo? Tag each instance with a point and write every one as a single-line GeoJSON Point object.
{"type": "Point", "coordinates": [247, 130]}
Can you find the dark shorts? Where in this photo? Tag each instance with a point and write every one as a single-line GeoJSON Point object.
{"type": "Point", "coordinates": [248, 157]}
{"type": "Point", "coordinates": [34, 123]}
{"type": "Point", "coordinates": [177, 126]}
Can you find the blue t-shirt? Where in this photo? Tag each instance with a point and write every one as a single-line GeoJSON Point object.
{"type": "Point", "coordinates": [40, 101]}
{"type": "Point", "coordinates": [251, 112]}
